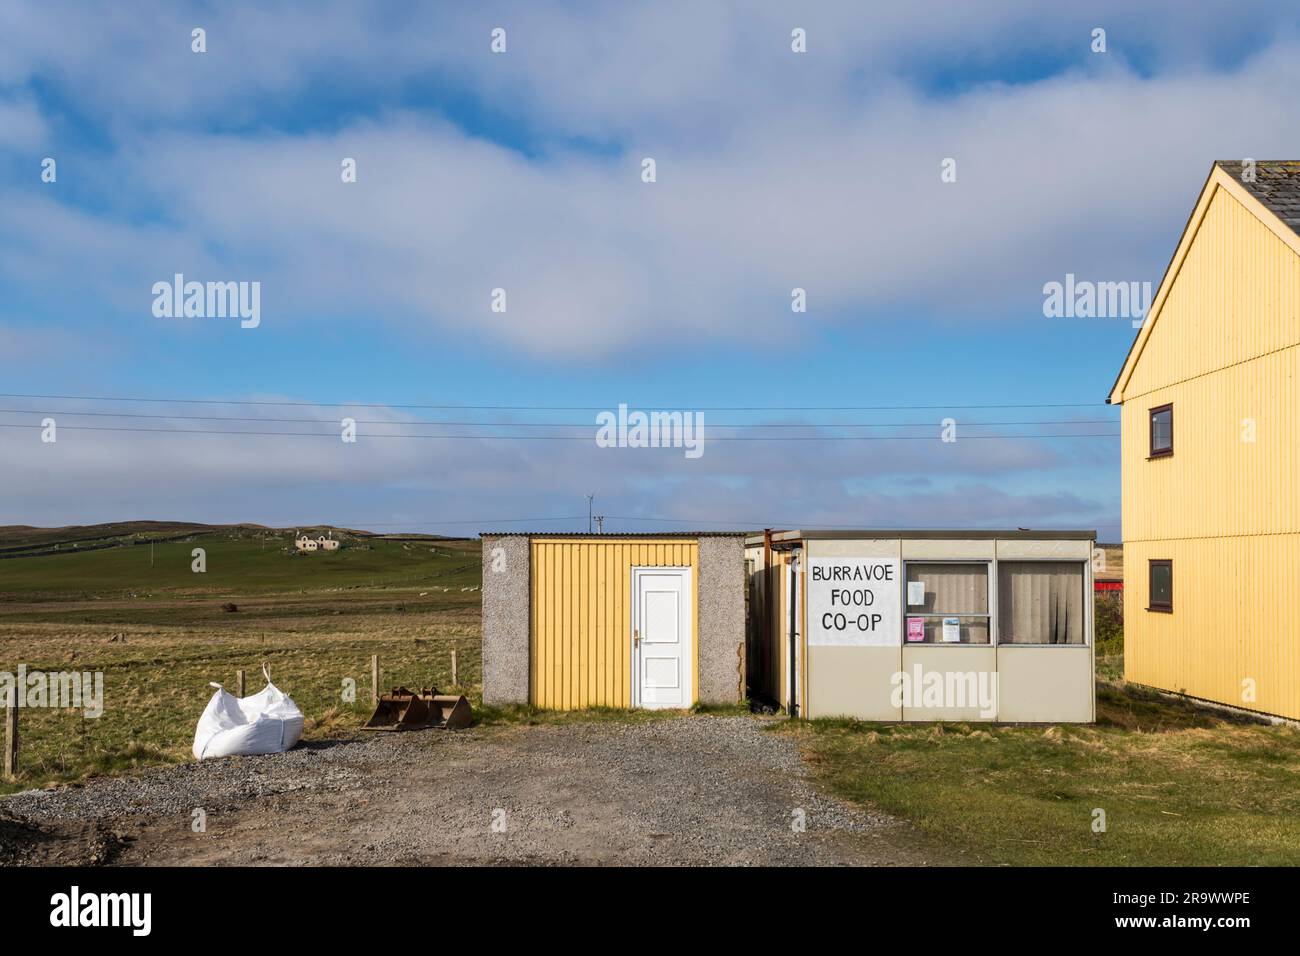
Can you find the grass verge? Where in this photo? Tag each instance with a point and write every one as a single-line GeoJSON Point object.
{"type": "Point", "coordinates": [1178, 785]}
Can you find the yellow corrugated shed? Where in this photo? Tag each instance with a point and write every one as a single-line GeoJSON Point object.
{"type": "Point", "coordinates": [581, 619]}
{"type": "Point", "coordinates": [1222, 344]}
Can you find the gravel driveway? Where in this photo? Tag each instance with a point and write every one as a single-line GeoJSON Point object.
{"type": "Point", "coordinates": [689, 790]}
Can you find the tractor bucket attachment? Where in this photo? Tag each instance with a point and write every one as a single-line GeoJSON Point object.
{"type": "Point", "coordinates": [404, 709]}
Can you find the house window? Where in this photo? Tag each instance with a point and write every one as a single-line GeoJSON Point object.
{"type": "Point", "coordinates": [1040, 602]}
{"type": "Point", "coordinates": [1160, 585]}
{"type": "Point", "coordinates": [952, 605]}
{"type": "Point", "coordinates": [1162, 431]}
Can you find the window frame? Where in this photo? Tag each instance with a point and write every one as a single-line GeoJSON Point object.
{"type": "Point", "coordinates": [990, 602]}
{"type": "Point", "coordinates": [1089, 610]}
{"type": "Point", "coordinates": [1152, 564]}
{"type": "Point", "coordinates": [1152, 451]}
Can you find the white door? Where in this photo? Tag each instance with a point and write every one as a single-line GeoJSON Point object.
{"type": "Point", "coordinates": [662, 656]}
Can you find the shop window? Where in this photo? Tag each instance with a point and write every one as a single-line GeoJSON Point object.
{"type": "Point", "coordinates": [1160, 585]}
{"type": "Point", "coordinates": [947, 603]}
{"type": "Point", "coordinates": [1041, 602]}
{"type": "Point", "coordinates": [1162, 431]}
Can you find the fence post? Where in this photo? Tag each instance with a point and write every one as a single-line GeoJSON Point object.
{"type": "Point", "coordinates": [740, 671]}
{"type": "Point", "coordinates": [455, 679]}
{"type": "Point", "coordinates": [374, 680]}
{"type": "Point", "coordinates": [239, 683]}
{"type": "Point", "coordinates": [11, 737]}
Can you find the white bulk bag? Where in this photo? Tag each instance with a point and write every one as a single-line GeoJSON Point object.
{"type": "Point", "coordinates": [268, 722]}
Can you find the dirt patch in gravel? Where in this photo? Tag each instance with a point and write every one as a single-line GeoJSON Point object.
{"type": "Point", "coordinates": [691, 790]}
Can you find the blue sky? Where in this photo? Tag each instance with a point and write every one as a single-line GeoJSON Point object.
{"type": "Point", "coordinates": [521, 171]}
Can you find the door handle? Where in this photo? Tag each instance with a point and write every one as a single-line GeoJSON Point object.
{"type": "Point", "coordinates": [636, 637]}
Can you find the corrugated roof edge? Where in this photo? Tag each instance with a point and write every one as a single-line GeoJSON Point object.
{"type": "Point", "coordinates": [615, 534]}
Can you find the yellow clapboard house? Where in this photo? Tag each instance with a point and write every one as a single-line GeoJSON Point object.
{"type": "Point", "coordinates": [1211, 442]}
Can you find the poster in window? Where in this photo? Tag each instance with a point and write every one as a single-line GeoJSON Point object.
{"type": "Point", "coordinates": [915, 593]}
{"type": "Point", "coordinates": [952, 630]}
{"type": "Point", "coordinates": [915, 629]}
{"type": "Point", "coordinates": [854, 602]}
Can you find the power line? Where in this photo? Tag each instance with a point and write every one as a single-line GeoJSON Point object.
{"type": "Point", "coordinates": [770, 523]}
{"type": "Point", "coordinates": [431, 524]}
{"type": "Point", "coordinates": [590, 408]}
{"type": "Point", "coordinates": [581, 438]}
{"type": "Point", "coordinates": [751, 525]}
{"type": "Point", "coordinates": [694, 522]}
{"type": "Point", "coordinates": [463, 424]}
{"type": "Point", "coordinates": [363, 526]}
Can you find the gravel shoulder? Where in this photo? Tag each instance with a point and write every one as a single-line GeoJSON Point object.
{"type": "Point", "coordinates": [694, 790]}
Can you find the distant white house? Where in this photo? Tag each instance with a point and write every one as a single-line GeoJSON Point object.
{"type": "Point", "coordinates": [307, 543]}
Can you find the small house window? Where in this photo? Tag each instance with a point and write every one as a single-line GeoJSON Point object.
{"type": "Point", "coordinates": [1162, 431]}
{"type": "Point", "coordinates": [1160, 586]}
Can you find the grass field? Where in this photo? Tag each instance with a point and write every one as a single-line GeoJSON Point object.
{"type": "Point", "coordinates": [160, 632]}
{"type": "Point", "coordinates": [246, 562]}
{"type": "Point", "coordinates": [1179, 785]}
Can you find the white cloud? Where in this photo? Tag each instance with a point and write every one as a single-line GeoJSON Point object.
{"type": "Point", "coordinates": [1089, 173]}
{"type": "Point", "coordinates": [388, 481]}
{"type": "Point", "coordinates": [775, 171]}
{"type": "Point", "coordinates": [23, 128]}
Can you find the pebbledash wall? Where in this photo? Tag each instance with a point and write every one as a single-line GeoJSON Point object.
{"type": "Point", "coordinates": [573, 621]}
{"type": "Point", "coordinates": [923, 625]}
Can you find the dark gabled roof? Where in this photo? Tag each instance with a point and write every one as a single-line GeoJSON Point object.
{"type": "Point", "coordinates": [1276, 185]}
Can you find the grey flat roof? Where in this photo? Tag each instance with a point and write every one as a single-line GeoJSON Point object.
{"type": "Point", "coordinates": [1022, 534]}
